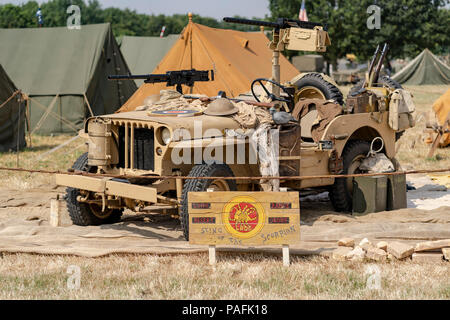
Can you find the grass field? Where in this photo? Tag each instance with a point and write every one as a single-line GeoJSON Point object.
{"type": "Point", "coordinates": [240, 277]}
{"type": "Point", "coordinates": [24, 276]}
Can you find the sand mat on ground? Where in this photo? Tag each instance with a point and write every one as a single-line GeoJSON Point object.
{"type": "Point", "coordinates": [24, 226]}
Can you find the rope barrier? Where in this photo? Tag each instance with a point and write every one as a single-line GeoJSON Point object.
{"type": "Point", "coordinates": [10, 98]}
{"type": "Point", "coordinates": [89, 174]}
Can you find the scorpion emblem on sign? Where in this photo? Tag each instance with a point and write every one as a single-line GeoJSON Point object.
{"type": "Point", "coordinates": [243, 217]}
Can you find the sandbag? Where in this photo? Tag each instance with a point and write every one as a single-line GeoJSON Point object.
{"type": "Point", "coordinates": [401, 108]}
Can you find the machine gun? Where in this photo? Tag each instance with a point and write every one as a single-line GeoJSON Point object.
{"type": "Point", "coordinates": [291, 35]}
{"type": "Point", "coordinates": [282, 23]}
{"type": "Point", "coordinates": [173, 78]}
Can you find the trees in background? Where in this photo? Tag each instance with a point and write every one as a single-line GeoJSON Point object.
{"type": "Point", "coordinates": [123, 21]}
{"type": "Point", "coordinates": [409, 26]}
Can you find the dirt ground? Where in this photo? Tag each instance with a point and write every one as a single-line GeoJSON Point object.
{"type": "Point", "coordinates": [145, 256]}
{"type": "Point", "coordinates": [24, 225]}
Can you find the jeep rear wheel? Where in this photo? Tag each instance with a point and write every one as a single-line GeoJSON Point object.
{"type": "Point", "coordinates": [83, 214]}
{"type": "Point", "coordinates": [199, 185]}
{"type": "Point", "coordinates": [341, 192]}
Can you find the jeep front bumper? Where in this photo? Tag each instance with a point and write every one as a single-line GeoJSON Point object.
{"type": "Point", "coordinates": [108, 186]}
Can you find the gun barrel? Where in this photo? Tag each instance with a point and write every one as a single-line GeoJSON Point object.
{"type": "Point", "coordinates": [380, 62]}
{"type": "Point", "coordinates": [371, 66]}
{"type": "Point", "coordinates": [282, 23]}
{"type": "Point", "coordinates": [129, 77]}
{"type": "Point", "coordinates": [251, 22]}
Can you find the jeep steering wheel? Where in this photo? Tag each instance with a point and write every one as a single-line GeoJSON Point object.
{"type": "Point", "coordinates": [271, 95]}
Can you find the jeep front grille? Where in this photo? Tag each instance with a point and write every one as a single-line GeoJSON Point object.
{"type": "Point", "coordinates": [136, 146]}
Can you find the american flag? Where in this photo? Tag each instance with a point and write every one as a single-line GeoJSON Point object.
{"type": "Point", "coordinates": [302, 16]}
{"type": "Point", "coordinates": [162, 32]}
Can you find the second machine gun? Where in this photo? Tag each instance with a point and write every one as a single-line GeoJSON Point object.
{"type": "Point", "coordinates": [172, 78]}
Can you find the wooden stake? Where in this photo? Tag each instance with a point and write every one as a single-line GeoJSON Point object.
{"type": "Point", "coordinates": [212, 255]}
{"type": "Point", "coordinates": [55, 217]}
{"type": "Point", "coordinates": [286, 261]}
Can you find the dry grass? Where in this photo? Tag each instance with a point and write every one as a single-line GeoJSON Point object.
{"type": "Point", "coordinates": [24, 276]}
{"type": "Point", "coordinates": [61, 159]}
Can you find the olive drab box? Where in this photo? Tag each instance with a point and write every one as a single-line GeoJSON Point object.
{"type": "Point", "coordinates": [401, 108]}
{"type": "Point", "coordinates": [301, 39]}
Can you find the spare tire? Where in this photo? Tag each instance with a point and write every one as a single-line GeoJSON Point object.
{"type": "Point", "coordinates": [314, 85]}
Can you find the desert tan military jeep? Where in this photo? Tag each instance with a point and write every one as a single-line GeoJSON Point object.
{"type": "Point", "coordinates": [153, 150]}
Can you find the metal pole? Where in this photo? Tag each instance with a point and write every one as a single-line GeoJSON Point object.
{"type": "Point", "coordinates": [276, 63]}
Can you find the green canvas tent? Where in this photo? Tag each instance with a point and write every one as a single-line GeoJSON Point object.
{"type": "Point", "coordinates": [64, 73]}
{"type": "Point", "coordinates": [12, 115]}
{"type": "Point", "coordinates": [143, 54]}
{"type": "Point", "coordinates": [426, 68]}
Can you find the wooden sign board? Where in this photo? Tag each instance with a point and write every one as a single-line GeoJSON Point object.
{"type": "Point", "coordinates": [244, 218]}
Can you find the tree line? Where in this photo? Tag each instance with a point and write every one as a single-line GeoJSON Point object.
{"type": "Point", "coordinates": [409, 26]}
{"type": "Point", "coordinates": [123, 21]}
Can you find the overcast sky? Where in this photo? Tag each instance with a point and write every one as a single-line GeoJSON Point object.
{"type": "Point", "coordinates": [210, 8]}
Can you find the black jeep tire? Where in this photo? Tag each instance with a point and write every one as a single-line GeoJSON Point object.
{"type": "Point", "coordinates": [329, 90]}
{"type": "Point", "coordinates": [201, 185]}
{"type": "Point", "coordinates": [81, 214]}
{"type": "Point", "coordinates": [340, 195]}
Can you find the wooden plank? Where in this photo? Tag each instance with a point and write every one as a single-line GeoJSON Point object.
{"type": "Point", "coordinates": [244, 218]}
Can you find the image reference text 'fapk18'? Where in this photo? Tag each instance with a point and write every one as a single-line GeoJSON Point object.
{"type": "Point", "coordinates": [230, 309]}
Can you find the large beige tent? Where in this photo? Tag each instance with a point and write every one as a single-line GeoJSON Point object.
{"type": "Point", "coordinates": [64, 73]}
{"type": "Point", "coordinates": [237, 58]}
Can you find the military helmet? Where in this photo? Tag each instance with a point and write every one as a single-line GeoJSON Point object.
{"type": "Point", "coordinates": [221, 107]}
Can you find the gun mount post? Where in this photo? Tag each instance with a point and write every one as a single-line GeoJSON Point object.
{"type": "Point", "coordinates": [291, 35]}
{"type": "Point", "coordinates": [276, 76]}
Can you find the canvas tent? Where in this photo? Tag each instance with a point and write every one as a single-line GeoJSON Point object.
{"type": "Point", "coordinates": [64, 73]}
{"type": "Point", "coordinates": [143, 54]}
{"type": "Point", "coordinates": [236, 57]}
{"type": "Point", "coordinates": [426, 68]}
{"type": "Point", "coordinates": [12, 115]}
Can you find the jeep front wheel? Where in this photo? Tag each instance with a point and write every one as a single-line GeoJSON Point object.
{"type": "Point", "coordinates": [84, 214]}
{"type": "Point", "coordinates": [199, 185]}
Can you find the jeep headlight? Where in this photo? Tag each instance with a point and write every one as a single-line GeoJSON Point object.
{"type": "Point", "coordinates": [166, 136]}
